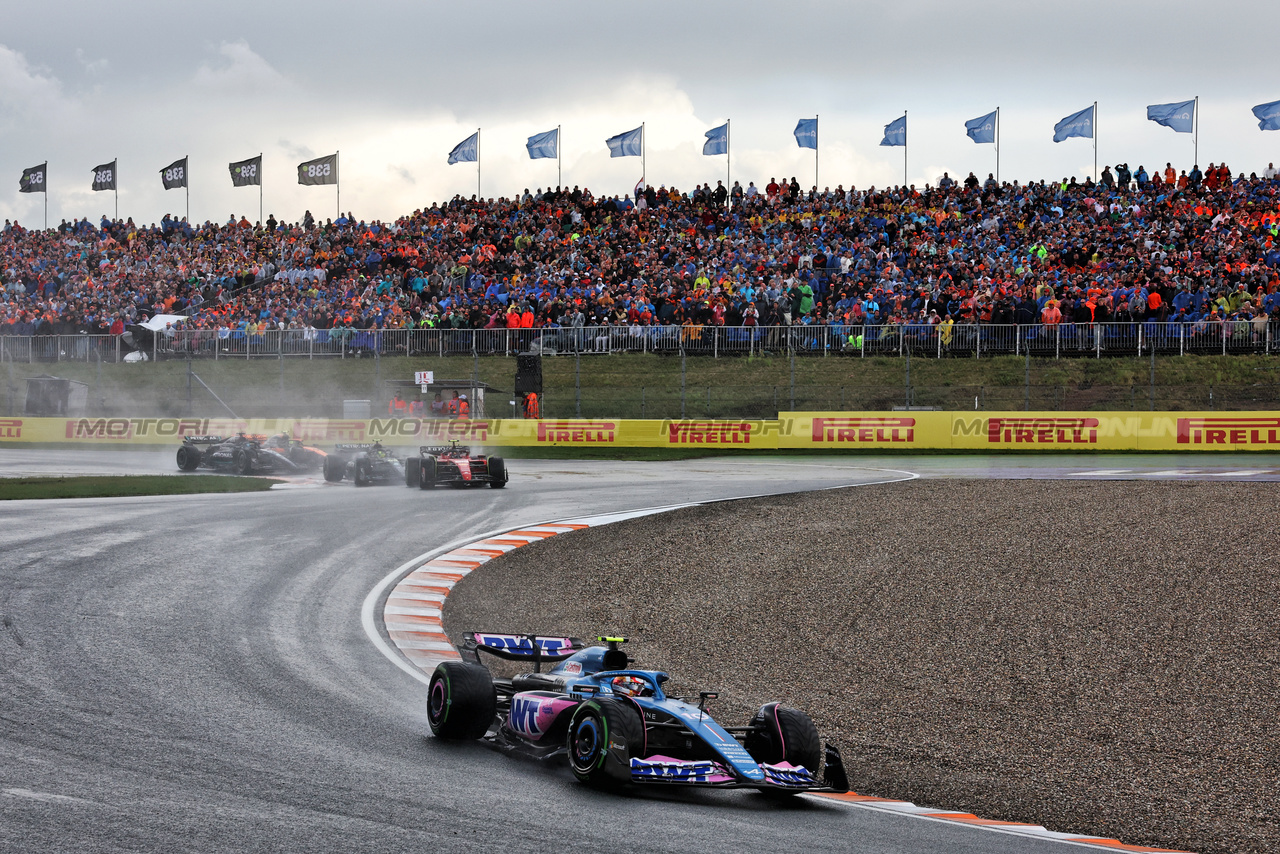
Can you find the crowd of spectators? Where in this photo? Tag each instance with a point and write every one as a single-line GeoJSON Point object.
{"type": "Point", "coordinates": [1136, 245]}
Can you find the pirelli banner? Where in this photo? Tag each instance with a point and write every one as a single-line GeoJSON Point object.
{"type": "Point", "coordinates": [410, 432]}
{"type": "Point", "coordinates": [1038, 431]}
{"type": "Point", "coordinates": [833, 431]}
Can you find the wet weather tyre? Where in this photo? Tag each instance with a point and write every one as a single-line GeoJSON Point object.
{"type": "Point", "coordinates": [334, 469]}
{"type": "Point", "coordinates": [782, 734]}
{"type": "Point", "coordinates": [427, 473]}
{"type": "Point", "coordinates": [244, 463]}
{"type": "Point", "coordinates": [461, 701]}
{"type": "Point", "coordinates": [598, 730]}
{"type": "Point", "coordinates": [412, 471]}
{"type": "Point", "coordinates": [188, 458]}
{"type": "Point", "coordinates": [497, 473]}
{"type": "Point", "coordinates": [361, 475]}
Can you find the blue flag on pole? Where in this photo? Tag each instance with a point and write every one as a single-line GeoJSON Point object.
{"type": "Point", "coordinates": [982, 129]}
{"type": "Point", "coordinates": [1180, 117]}
{"type": "Point", "coordinates": [1076, 124]}
{"type": "Point", "coordinates": [629, 144]}
{"type": "Point", "coordinates": [467, 151]}
{"type": "Point", "coordinates": [895, 133]}
{"type": "Point", "coordinates": [807, 133]}
{"type": "Point", "coordinates": [1268, 116]}
{"type": "Point", "coordinates": [717, 140]}
{"type": "Point", "coordinates": [543, 145]}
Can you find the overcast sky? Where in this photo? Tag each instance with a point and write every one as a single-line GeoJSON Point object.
{"type": "Point", "coordinates": [395, 85]}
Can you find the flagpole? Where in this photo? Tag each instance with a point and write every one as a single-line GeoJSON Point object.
{"type": "Point", "coordinates": [644, 158]}
{"type": "Point", "coordinates": [477, 164]}
{"type": "Point", "coordinates": [728, 161]}
{"type": "Point", "coordinates": [46, 195]}
{"type": "Point", "coordinates": [1196, 136]}
{"type": "Point", "coordinates": [1095, 140]}
{"type": "Point", "coordinates": [559, 171]}
{"type": "Point", "coordinates": [904, 150]}
{"type": "Point", "coordinates": [259, 187]}
{"type": "Point", "coordinates": [186, 183]}
{"type": "Point", "coordinates": [336, 184]}
{"type": "Point", "coordinates": [815, 149]}
{"type": "Point", "coordinates": [997, 145]}
{"type": "Point", "coordinates": [115, 168]}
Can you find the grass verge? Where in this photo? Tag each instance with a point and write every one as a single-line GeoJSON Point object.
{"type": "Point", "coordinates": [114, 486]}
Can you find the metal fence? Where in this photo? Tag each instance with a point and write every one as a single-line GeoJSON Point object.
{"type": "Point", "coordinates": [1092, 340]}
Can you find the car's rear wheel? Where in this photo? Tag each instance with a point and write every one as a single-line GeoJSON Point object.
{"type": "Point", "coordinates": [334, 468]}
{"type": "Point", "coordinates": [427, 473]}
{"type": "Point", "coordinates": [497, 472]}
{"type": "Point", "coordinates": [461, 701]}
{"type": "Point", "coordinates": [604, 735]}
{"type": "Point", "coordinates": [782, 734]}
{"type": "Point", "coordinates": [412, 471]}
{"type": "Point", "coordinates": [188, 458]}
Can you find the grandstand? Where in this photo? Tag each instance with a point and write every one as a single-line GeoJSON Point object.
{"type": "Point", "coordinates": [1164, 261]}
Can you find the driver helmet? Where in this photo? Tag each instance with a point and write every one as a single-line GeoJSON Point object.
{"type": "Point", "coordinates": [630, 686]}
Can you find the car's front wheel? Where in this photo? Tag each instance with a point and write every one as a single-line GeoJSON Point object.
{"type": "Point", "coordinates": [412, 471]}
{"type": "Point", "coordinates": [782, 734]}
{"type": "Point", "coordinates": [461, 701]}
{"type": "Point", "coordinates": [604, 735]}
{"type": "Point", "coordinates": [361, 476]}
{"type": "Point", "coordinates": [427, 473]}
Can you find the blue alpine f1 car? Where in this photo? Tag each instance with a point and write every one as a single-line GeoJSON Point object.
{"type": "Point", "coordinates": [616, 725]}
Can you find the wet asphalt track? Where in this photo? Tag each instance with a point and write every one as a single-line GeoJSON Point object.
{"type": "Point", "coordinates": [191, 674]}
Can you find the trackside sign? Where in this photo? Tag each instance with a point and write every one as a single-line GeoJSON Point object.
{"type": "Point", "coordinates": [829, 431]}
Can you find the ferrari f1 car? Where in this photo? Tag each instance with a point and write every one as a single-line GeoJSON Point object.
{"type": "Point", "coordinates": [245, 454]}
{"type": "Point", "coordinates": [365, 464]}
{"type": "Point", "coordinates": [616, 725]}
{"type": "Point", "coordinates": [454, 466]}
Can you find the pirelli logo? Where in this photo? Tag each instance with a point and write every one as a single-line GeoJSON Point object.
{"type": "Point", "coordinates": [1229, 431]}
{"type": "Point", "coordinates": [1043, 431]}
{"type": "Point", "coordinates": [864, 430]}
{"type": "Point", "coordinates": [708, 433]}
{"type": "Point", "coordinates": [10, 428]}
{"type": "Point", "coordinates": [577, 431]}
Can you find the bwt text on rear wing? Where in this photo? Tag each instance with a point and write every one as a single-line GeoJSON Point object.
{"type": "Point", "coordinates": [513, 647]}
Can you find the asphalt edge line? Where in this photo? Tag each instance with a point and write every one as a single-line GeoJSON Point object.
{"type": "Point", "coordinates": [421, 661]}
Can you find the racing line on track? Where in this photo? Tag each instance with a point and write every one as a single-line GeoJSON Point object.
{"type": "Point", "coordinates": [412, 615]}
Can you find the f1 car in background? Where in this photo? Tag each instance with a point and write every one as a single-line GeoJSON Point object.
{"type": "Point", "coordinates": [365, 464]}
{"type": "Point", "coordinates": [454, 466]}
{"type": "Point", "coordinates": [616, 725]}
{"type": "Point", "coordinates": [249, 454]}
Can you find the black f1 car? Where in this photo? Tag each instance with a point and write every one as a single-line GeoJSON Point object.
{"type": "Point", "coordinates": [454, 466]}
{"type": "Point", "coordinates": [365, 464]}
{"type": "Point", "coordinates": [249, 455]}
{"type": "Point", "coordinates": [616, 725]}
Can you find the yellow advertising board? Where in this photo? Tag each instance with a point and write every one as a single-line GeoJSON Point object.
{"type": "Point", "coordinates": [832, 431]}
{"type": "Point", "coordinates": [1033, 431]}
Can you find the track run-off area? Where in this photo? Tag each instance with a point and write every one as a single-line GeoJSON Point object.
{"type": "Point", "coordinates": [205, 672]}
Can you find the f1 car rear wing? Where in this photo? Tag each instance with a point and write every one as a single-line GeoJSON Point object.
{"type": "Point", "coordinates": [438, 450]}
{"type": "Point", "coordinates": [204, 440]}
{"type": "Point", "coordinates": [360, 446]}
{"type": "Point", "coordinates": [535, 648]}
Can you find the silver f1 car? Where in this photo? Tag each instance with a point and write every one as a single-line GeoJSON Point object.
{"type": "Point", "coordinates": [616, 725]}
{"type": "Point", "coordinates": [249, 454]}
{"type": "Point", "coordinates": [366, 465]}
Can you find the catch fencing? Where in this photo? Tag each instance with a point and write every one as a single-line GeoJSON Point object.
{"type": "Point", "coordinates": [922, 340]}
